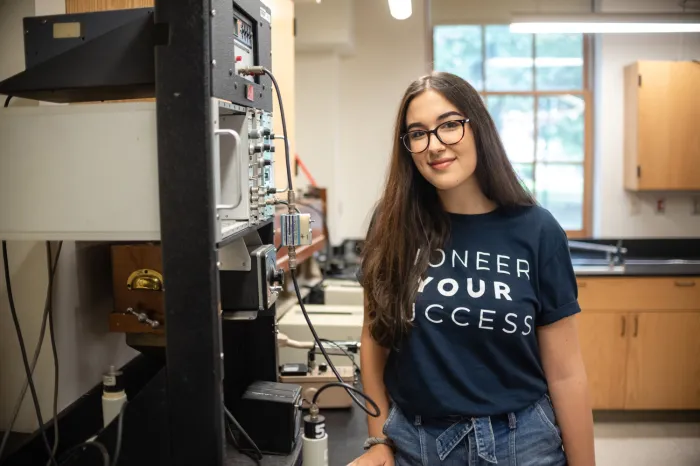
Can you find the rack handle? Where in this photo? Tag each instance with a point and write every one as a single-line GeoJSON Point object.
{"type": "Point", "coordinates": [237, 162]}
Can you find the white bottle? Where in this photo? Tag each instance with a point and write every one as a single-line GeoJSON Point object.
{"type": "Point", "coordinates": [315, 439]}
{"type": "Point", "coordinates": [113, 395]}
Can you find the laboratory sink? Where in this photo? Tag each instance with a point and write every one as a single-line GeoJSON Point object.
{"type": "Point", "coordinates": [591, 269]}
{"type": "Point", "coordinates": [595, 266]}
{"type": "Point", "coordinates": [662, 262]}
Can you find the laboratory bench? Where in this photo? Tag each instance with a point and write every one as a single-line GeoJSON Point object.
{"type": "Point", "coordinates": [639, 324]}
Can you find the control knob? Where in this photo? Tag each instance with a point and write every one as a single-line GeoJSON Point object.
{"type": "Point", "coordinates": [258, 133]}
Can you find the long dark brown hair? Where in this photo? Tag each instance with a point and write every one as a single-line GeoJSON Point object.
{"type": "Point", "coordinates": [409, 216]}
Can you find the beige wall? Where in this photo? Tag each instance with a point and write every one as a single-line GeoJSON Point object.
{"type": "Point", "coordinates": [83, 287]}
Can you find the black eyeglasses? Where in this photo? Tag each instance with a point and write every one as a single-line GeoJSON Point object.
{"type": "Point", "coordinates": [448, 133]}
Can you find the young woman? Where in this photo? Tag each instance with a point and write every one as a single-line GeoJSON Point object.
{"type": "Point", "coordinates": [469, 345]}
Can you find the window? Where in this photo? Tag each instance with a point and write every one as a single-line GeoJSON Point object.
{"type": "Point", "coordinates": [536, 88]}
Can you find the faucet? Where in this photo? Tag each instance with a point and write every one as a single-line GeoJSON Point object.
{"type": "Point", "coordinates": [612, 253]}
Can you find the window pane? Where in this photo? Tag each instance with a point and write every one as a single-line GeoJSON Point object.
{"type": "Point", "coordinates": [559, 188]}
{"type": "Point", "coordinates": [457, 49]}
{"type": "Point", "coordinates": [515, 119]}
{"type": "Point", "coordinates": [559, 61]}
{"type": "Point", "coordinates": [560, 128]}
{"type": "Point", "coordinates": [508, 60]}
{"type": "Point", "coordinates": [525, 172]}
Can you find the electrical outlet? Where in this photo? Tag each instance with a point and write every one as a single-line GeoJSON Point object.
{"type": "Point", "coordinates": [661, 206]}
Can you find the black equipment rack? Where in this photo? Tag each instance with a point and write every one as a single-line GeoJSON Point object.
{"type": "Point", "coordinates": [176, 417]}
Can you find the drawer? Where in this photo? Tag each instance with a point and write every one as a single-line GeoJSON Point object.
{"type": "Point", "coordinates": [639, 294]}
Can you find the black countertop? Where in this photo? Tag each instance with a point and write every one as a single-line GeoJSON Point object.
{"type": "Point", "coordinates": [347, 432]}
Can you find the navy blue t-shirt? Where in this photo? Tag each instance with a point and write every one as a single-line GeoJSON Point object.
{"type": "Point", "coordinates": [472, 349]}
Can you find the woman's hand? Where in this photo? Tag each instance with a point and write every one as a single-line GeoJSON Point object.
{"type": "Point", "coordinates": [378, 455]}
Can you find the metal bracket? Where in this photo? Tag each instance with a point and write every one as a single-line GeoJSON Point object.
{"type": "Point", "coordinates": [235, 256]}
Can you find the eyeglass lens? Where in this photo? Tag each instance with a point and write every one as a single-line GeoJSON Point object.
{"type": "Point", "coordinates": [449, 132]}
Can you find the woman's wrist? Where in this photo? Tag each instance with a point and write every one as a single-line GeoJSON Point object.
{"type": "Point", "coordinates": [372, 442]}
{"type": "Point", "coordinates": [381, 447]}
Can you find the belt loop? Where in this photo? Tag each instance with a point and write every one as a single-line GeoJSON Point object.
{"type": "Point", "coordinates": [418, 421]}
{"type": "Point", "coordinates": [485, 440]}
{"type": "Point", "coordinates": [512, 421]}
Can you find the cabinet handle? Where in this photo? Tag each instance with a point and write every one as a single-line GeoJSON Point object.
{"type": "Point", "coordinates": [624, 325]}
{"type": "Point", "coordinates": [582, 284]}
{"type": "Point", "coordinates": [636, 326]}
{"type": "Point", "coordinates": [684, 284]}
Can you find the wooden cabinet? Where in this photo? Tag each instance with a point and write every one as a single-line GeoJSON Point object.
{"type": "Point", "coordinates": [662, 110]}
{"type": "Point", "coordinates": [663, 365]}
{"type": "Point", "coordinates": [639, 340]}
{"type": "Point", "coordinates": [604, 348]}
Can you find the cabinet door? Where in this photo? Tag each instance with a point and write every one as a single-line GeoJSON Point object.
{"type": "Point", "coordinates": [603, 339]}
{"type": "Point", "coordinates": [668, 114]}
{"type": "Point", "coordinates": [663, 370]}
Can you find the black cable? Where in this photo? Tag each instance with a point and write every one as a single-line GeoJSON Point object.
{"type": "Point", "coordinates": [234, 442]}
{"type": "Point", "coordinates": [243, 432]}
{"type": "Point", "coordinates": [92, 443]}
{"type": "Point", "coordinates": [7, 101]}
{"type": "Point", "coordinates": [120, 429]}
{"type": "Point", "coordinates": [23, 349]}
{"type": "Point", "coordinates": [37, 353]}
{"type": "Point", "coordinates": [345, 352]}
{"type": "Point", "coordinates": [284, 129]}
{"type": "Point", "coordinates": [348, 388]}
{"type": "Point", "coordinates": [52, 265]}
{"type": "Point", "coordinates": [293, 272]}
{"type": "Point", "coordinates": [25, 387]}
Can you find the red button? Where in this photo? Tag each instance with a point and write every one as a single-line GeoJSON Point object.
{"type": "Point", "coordinates": [239, 58]}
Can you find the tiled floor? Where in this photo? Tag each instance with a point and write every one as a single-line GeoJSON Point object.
{"type": "Point", "coordinates": [654, 439]}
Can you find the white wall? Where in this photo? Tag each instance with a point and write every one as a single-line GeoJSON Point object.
{"type": "Point", "coordinates": [326, 26]}
{"type": "Point", "coordinates": [82, 288]}
{"type": "Point", "coordinates": [346, 106]}
{"type": "Point", "coordinates": [617, 212]}
{"type": "Point", "coordinates": [318, 124]}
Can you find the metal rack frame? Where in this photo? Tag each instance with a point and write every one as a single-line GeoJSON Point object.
{"type": "Point", "coordinates": [185, 401]}
{"type": "Point", "coordinates": [195, 347]}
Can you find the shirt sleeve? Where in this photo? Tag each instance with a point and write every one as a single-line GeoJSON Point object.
{"type": "Point", "coordinates": [558, 288]}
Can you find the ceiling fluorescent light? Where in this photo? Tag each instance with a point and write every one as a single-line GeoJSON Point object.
{"type": "Point", "coordinates": [400, 9]}
{"type": "Point", "coordinates": [605, 23]}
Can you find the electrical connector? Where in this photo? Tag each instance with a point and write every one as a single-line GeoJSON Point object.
{"type": "Point", "coordinates": [251, 70]}
{"type": "Point", "coordinates": [296, 229]}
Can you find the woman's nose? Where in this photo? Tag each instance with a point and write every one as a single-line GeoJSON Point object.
{"type": "Point", "coordinates": [435, 144]}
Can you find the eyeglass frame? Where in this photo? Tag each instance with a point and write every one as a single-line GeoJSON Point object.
{"type": "Point", "coordinates": [433, 131]}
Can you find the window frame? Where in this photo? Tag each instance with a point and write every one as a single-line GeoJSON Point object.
{"type": "Point", "coordinates": [586, 93]}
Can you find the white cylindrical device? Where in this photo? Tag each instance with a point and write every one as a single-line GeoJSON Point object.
{"type": "Point", "coordinates": [113, 395]}
{"type": "Point", "coordinates": [314, 441]}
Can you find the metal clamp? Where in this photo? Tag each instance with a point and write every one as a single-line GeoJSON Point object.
{"type": "Point", "coordinates": [237, 161]}
{"type": "Point", "coordinates": [143, 318]}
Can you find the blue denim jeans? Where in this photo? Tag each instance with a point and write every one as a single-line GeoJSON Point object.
{"type": "Point", "coordinates": [529, 437]}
